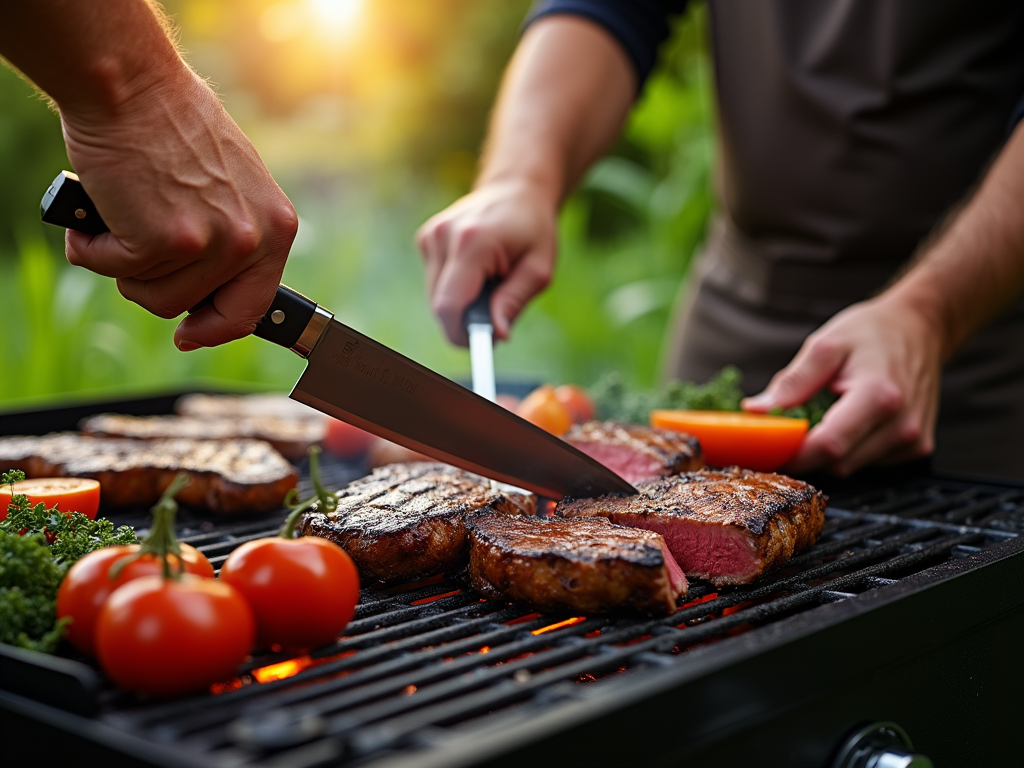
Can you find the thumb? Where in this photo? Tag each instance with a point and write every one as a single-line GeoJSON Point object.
{"type": "Point", "coordinates": [814, 367]}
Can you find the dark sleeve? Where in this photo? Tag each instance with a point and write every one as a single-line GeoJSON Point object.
{"type": "Point", "coordinates": [1018, 115]}
{"type": "Point", "coordinates": [640, 26]}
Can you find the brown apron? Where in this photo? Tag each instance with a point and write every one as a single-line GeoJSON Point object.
{"type": "Point", "coordinates": [848, 129]}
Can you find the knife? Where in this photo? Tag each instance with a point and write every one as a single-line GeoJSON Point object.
{"type": "Point", "coordinates": [353, 378]}
{"type": "Point", "coordinates": [480, 329]}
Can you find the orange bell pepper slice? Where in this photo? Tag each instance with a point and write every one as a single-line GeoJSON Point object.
{"type": "Point", "coordinates": [751, 440]}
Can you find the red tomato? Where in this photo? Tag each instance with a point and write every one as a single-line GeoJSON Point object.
{"type": "Point", "coordinates": [87, 585]}
{"type": "Point", "coordinates": [576, 401]}
{"type": "Point", "coordinates": [542, 408]}
{"type": "Point", "coordinates": [168, 637]}
{"type": "Point", "coordinates": [752, 440]}
{"type": "Point", "coordinates": [70, 494]}
{"type": "Point", "coordinates": [302, 591]}
{"type": "Point", "coordinates": [344, 440]}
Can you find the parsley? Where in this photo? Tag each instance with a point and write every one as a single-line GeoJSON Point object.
{"type": "Point", "coordinates": [37, 546]}
{"type": "Point", "coordinates": [617, 401]}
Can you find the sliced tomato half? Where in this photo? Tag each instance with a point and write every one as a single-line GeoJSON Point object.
{"type": "Point", "coordinates": [752, 440]}
{"type": "Point", "coordinates": [70, 494]}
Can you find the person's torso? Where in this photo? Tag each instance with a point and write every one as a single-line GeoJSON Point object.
{"type": "Point", "coordinates": [850, 127]}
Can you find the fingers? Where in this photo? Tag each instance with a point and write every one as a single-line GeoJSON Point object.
{"type": "Point", "coordinates": [910, 435]}
{"type": "Point", "coordinates": [861, 411]}
{"type": "Point", "coordinates": [103, 254]}
{"type": "Point", "coordinates": [815, 365]}
{"type": "Point", "coordinates": [530, 275]}
{"type": "Point", "coordinates": [237, 306]}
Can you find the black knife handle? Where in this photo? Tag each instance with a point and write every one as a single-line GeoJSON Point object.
{"type": "Point", "coordinates": [479, 312]}
{"type": "Point", "coordinates": [66, 204]}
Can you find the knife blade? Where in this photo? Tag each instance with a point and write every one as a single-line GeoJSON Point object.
{"type": "Point", "coordinates": [480, 330]}
{"type": "Point", "coordinates": [356, 379]}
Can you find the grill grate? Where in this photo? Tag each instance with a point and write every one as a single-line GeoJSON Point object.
{"type": "Point", "coordinates": [425, 661]}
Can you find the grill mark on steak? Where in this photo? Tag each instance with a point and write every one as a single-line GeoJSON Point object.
{"type": "Point", "coordinates": [727, 526]}
{"type": "Point", "coordinates": [290, 436]}
{"type": "Point", "coordinates": [407, 521]}
{"type": "Point", "coordinates": [636, 452]}
{"type": "Point", "coordinates": [581, 566]}
{"type": "Point", "coordinates": [226, 475]}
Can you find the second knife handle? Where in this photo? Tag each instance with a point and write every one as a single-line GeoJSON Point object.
{"type": "Point", "coordinates": [479, 312]}
{"type": "Point", "coordinates": [66, 204]}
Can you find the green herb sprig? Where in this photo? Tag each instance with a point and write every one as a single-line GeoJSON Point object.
{"type": "Point", "coordinates": [37, 547]}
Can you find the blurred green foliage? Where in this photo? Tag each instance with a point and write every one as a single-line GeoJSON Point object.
{"type": "Point", "coordinates": [369, 137]}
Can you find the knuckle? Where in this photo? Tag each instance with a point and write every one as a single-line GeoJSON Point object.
{"type": "Point", "coordinates": [888, 398]}
{"type": "Point", "coordinates": [187, 241]}
{"type": "Point", "coordinates": [821, 345]}
{"type": "Point", "coordinates": [467, 237]}
{"type": "Point", "coordinates": [243, 240]}
{"type": "Point", "coordinates": [832, 449]}
{"type": "Point", "coordinates": [909, 433]}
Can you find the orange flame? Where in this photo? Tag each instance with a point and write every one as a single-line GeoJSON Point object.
{"type": "Point", "coordinates": [485, 649]}
{"type": "Point", "coordinates": [559, 625]}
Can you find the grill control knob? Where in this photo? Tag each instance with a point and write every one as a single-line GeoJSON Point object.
{"type": "Point", "coordinates": [879, 745]}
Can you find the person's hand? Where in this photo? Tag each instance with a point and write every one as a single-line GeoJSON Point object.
{"type": "Point", "coordinates": [884, 361]}
{"type": "Point", "coordinates": [502, 230]}
{"type": "Point", "coordinates": [190, 206]}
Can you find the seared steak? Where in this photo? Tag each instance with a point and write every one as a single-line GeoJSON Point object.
{"type": "Point", "coordinates": [227, 475]}
{"type": "Point", "coordinates": [406, 521]}
{"type": "Point", "coordinates": [635, 452]}
{"type": "Point", "coordinates": [582, 566]}
{"type": "Point", "coordinates": [291, 436]}
{"type": "Point", "coordinates": [275, 404]}
{"type": "Point", "coordinates": [727, 526]}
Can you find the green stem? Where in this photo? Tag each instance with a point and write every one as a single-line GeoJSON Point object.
{"type": "Point", "coordinates": [161, 540]}
{"type": "Point", "coordinates": [325, 500]}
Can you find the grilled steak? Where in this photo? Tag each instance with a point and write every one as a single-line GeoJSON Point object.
{"type": "Point", "coordinates": [290, 436]}
{"type": "Point", "coordinates": [582, 566]}
{"type": "Point", "coordinates": [243, 406]}
{"type": "Point", "coordinates": [635, 452]}
{"type": "Point", "coordinates": [727, 526]}
{"type": "Point", "coordinates": [227, 475]}
{"type": "Point", "coordinates": [406, 521]}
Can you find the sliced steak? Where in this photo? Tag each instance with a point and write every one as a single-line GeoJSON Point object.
{"type": "Point", "coordinates": [227, 475]}
{"type": "Point", "coordinates": [406, 521]}
{"type": "Point", "coordinates": [581, 566]}
{"type": "Point", "coordinates": [727, 526]}
{"type": "Point", "coordinates": [290, 436]}
{"type": "Point", "coordinates": [635, 452]}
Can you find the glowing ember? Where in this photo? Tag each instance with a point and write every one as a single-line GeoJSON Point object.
{"type": "Point", "coordinates": [435, 597]}
{"type": "Point", "coordinates": [485, 649]}
{"type": "Point", "coordinates": [409, 690]}
{"type": "Point", "coordinates": [705, 599]}
{"type": "Point", "coordinates": [282, 670]}
{"type": "Point", "coordinates": [232, 685]}
{"type": "Point", "coordinates": [559, 625]}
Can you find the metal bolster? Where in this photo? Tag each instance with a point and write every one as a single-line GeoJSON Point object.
{"type": "Point", "coordinates": [314, 330]}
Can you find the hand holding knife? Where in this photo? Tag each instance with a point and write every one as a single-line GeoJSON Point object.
{"type": "Point", "coordinates": [356, 379]}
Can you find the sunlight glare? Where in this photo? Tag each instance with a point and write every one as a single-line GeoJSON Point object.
{"type": "Point", "coordinates": [336, 14]}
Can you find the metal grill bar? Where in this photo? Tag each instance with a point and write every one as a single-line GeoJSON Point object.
{"type": "Point", "coordinates": [411, 669]}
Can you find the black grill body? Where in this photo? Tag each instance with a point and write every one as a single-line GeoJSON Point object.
{"type": "Point", "coordinates": [910, 609]}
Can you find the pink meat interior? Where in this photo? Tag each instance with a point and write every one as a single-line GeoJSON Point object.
{"type": "Point", "coordinates": [708, 550]}
{"type": "Point", "coordinates": [676, 578]}
{"type": "Point", "coordinates": [628, 464]}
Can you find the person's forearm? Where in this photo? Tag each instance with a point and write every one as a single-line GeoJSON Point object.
{"type": "Point", "coordinates": [562, 104]}
{"type": "Point", "coordinates": [89, 57]}
{"type": "Point", "coordinates": [976, 267]}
